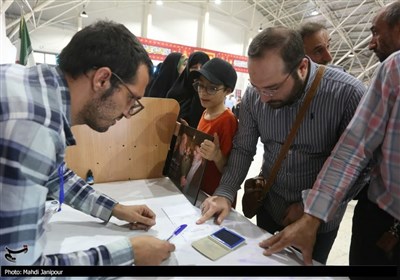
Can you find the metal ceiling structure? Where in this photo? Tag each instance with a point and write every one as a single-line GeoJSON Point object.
{"type": "Point", "coordinates": [348, 21]}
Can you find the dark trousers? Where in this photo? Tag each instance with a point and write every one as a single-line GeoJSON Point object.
{"type": "Point", "coordinates": [369, 223]}
{"type": "Point", "coordinates": [323, 243]}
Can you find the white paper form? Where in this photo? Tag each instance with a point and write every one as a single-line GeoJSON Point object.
{"type": "Point", "coordinates": [182, 214]}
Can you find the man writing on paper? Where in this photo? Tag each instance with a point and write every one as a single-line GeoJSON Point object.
{"type": "Point", "coordinates": [102, 74]}
{"type": "Point", "coordinates": [280, 76]}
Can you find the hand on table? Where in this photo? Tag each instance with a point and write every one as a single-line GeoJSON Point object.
{"type": "Point", "coordinates": [138, 216]}
{"type": "Point", "coordinates": [301, 234]}
{"type": "Point", "coordinates": [148, 250]}
{"type": "Point", "coordinates": [217, 206]}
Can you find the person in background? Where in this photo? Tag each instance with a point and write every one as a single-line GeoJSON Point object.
{"type": "Point", "coordinates": [102, 74]}
{"type": "Point", "coordinates": [236, 108]}
{"type": "Point", "coordinates": [372, 134]}
{"type": "Point", "coordinates": [229, 101]}
{"type": "Point", "coordinates": [186, 163]}
{"type": "Point", "coordinates": [194, 173]}
{"type": "Point", "coordinates": [183, 92]}
{"type": "Point", "coordinates": [316, 42]}
{"type": "Point", "coordinates": [156, 71]}
{"type": "Point", "coordinates": [213, 82]}
{"type": "Point", "coordinates": [385, 31]}
{"type": "Point", "coordinates": [172, 66]}
{"type": "Point", "coordinates": [280, 76]}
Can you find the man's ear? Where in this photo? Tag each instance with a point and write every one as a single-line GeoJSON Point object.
{"type": "Point", "coordinates": [303, 68]}
{"type": "Point", "coordinates": [101, 78]}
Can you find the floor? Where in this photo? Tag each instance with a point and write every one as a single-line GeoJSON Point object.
{"type": "Point", "coordinates": [339, 254]}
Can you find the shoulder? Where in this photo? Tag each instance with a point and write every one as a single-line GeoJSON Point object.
{"type": "Point", "coordinates": [336, 76]}
{"type": "Point", "coordinates": [32, 94]}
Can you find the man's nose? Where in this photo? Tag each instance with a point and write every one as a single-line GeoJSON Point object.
{"type": "Point", "coordinates": [372, 44]}
{"type": "Point", "coordinates": [327, 56]}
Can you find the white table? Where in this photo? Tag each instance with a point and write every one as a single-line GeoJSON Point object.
{"type": "Point", "coordinates": [71, 230]}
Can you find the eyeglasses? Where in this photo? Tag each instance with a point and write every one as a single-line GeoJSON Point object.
{"type": "Point", "coordinates": [211, 90]}
{"type": "Point", "coordinates": [137, 106]}
{"type": "Point", "coordinates": [271, 91]}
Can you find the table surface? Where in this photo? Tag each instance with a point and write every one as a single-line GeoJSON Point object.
{"type": "Point", "coordinates": [71, 230]}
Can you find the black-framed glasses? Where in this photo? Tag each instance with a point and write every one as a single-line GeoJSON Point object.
{"type": "Point", "coordinates": [137, 106]}
{"type": "Point", "coordinates": [211, 90]}
{"type": "Point", "coordinates": [270, 92]}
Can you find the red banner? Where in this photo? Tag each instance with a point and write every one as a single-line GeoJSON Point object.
{"type": "Point", "coordinates": [158, 50]}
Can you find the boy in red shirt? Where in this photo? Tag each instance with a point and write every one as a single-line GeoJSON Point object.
{"type": "Point", "coordinates": [213, 82]}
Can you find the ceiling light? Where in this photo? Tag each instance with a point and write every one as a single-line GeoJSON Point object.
{"type": "Point", "coordinates": [218, 2]}
{"type": "Point", "coordinates": [159, 3]}
{"type": "Point", "coordinates": [83, 13]}
{"type": "Point", "coordinates": [314, 13]}
{"type": "Point", "coordinates": [351, 55]}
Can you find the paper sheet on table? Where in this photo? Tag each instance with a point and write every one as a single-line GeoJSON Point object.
{"type": "Point", "coordinates": [182, 214]}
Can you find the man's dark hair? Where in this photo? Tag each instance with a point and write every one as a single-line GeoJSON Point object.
{"type": "Point", "coordinates": [287, 41]}
{"type": "Point", "coordinates": [309, 28]}
{"type": "Point", "coordinates": [392, 14]}
{"type": "Point", "coordinates": [105, 44]}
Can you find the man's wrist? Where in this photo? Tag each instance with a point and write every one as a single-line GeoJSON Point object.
{"type": "Point", "coordinates": [311, 221]}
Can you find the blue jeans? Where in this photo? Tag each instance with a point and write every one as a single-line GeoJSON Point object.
{"type": "Point", "coordinates": [323, 243]}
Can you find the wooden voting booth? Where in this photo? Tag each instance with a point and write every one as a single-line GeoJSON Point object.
{"type": "Point", "coordinates": [132, 149]}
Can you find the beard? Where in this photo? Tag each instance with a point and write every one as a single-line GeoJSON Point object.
{"type": "Point", "coordinates": [296, 93]}
{"type": "Point", "coordinates": [98, 114]}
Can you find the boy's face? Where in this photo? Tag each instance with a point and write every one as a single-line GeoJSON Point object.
{"type": "Point", "coordinates": [211, 100]}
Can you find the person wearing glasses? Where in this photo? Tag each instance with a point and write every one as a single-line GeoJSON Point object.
{"type": "Point", "coordinates": [213, 82]}
{"type": "Point", "coordinates": [376, 218]}
{"type": "Point", "coordinates": [280, 77]}
{"type": "Point", "coordinates": [101, 75]}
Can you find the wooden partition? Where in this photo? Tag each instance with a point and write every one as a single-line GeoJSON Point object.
{"type": "Point", "coordinates": [131, 149]}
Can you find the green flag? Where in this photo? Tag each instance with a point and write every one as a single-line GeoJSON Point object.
{"type": "Point", "coordinates": [26, 52]}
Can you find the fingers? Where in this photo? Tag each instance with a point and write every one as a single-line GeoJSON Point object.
{"type": "Point", "coordinates": [148, 213]}
{"type": "Point", "coordinates": [206, 216]}
{"type": "Point", "coordinates": [139, 226]}
{"type": "Point", "coordinates": [207, 149]}
{"type": "Point", "coordinates": [145, 221]}
{"type": "Point", "coordinates": [274, 244]}
{"type": "Point", "coordinates": [307, 257]}
{"type": "Point", "coordinates": [222, 216]}
{"type": "Point", "coordinates": [268, 242]}
{"type": "Point", "coordinates": [216, 139]}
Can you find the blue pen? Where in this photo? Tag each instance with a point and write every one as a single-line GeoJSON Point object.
{"type": "Point", "coordinates": [177, 231]}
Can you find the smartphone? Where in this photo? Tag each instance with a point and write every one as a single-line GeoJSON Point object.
{"type": "Point", "coordinates": [227, 238]}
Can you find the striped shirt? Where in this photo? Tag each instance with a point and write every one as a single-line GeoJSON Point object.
{"type": "Point", "coordinates": [327, 117]}
{"type": "Point", "coordinates": [34, 133]}
{"type": "Point", "coordinates": [374, 132]}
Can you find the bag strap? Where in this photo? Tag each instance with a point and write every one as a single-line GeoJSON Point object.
{"type": "Point", "coordinates": [300, 115]}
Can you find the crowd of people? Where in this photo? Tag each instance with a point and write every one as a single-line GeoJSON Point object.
{"type": "Point", "coordinates": [348, 144]}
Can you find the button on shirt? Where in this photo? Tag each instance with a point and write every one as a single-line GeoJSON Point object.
{"type": "Point", "coordinates": [373, 133]}
{"type": "Point", "coordinates": [34, 132]}
{"type": "Point", "coordinates": [329, 113]}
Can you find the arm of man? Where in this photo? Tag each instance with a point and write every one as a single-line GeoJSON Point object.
{"type": "Point", "coordinates": [360, 141]}
{"type": "Point", "coordinates": [235, 171]}
{"type": "Point", "coordinates": [24, 192]}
